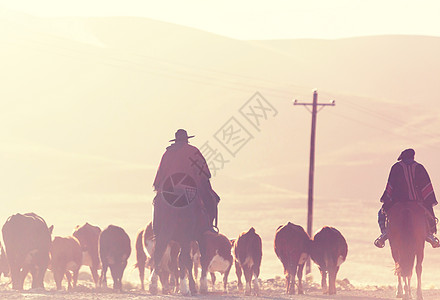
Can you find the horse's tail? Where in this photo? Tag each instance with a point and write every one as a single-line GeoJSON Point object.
{"type": "Point", "coordinates": [408, 237]}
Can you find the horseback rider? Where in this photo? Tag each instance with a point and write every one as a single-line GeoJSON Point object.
{"type": "Point", "coordinates": [408, 181]}
{"type": "Point", "coordinates": [185, 158]}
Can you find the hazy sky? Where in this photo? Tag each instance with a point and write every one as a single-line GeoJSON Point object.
{"type": "Point", "coordinates": [253, 19]}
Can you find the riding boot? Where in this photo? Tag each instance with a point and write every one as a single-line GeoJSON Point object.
{"type": "Point", "coordinates": [431, 238]}
{"type": "Point", "coordinates": [381, 218]}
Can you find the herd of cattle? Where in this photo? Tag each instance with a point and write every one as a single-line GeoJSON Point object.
{"type": "Point", "coordinates": [29, 248]}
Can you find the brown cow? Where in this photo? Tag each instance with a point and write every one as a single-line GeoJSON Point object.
{"type": "Point", "coordinates": [141, 257]}
{"type": "Point", "coordinates": [218, 258]}
{"type": "Point", "coordinates": [328, 250]}
{"type": "Point", "coordinates": [88, 236]}
{"type": "Point", "coordinates": [169, 266]}
{"type": "Point", "coordinates": [248, 254]}
{"type": "Point", "coordinates": [292, 247]}
{"type": "Point", "coordinates": [27, 242]}
{"type": "Point", "coordinates": [4, 266]}
{"type": "Point", "coordinates": [114, 250]}
{"type": "Point", "coordinates": [66, 256]}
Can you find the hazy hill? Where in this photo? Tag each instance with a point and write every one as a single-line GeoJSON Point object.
{"type": "Point", "coordinates": [88, 106]}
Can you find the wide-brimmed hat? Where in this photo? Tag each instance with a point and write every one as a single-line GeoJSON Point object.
{"type": "Point", "coordinates": [407, 154]}
{"type": "Point", "coordinates": [181, 136]}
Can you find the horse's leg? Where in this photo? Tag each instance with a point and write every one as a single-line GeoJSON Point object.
{"type": "Point", "coordinates": [203, 276]}
{"type": "Point", "coordinates": [185, 264]}
{"type": "Point", "coordinates": [399, 293]}
{"type": "Point", "coordinates": [407, 287]}
{"type": "Point", "coordinates": [161, 244]}
{"type": "Point", "coordinates": [419, 275]}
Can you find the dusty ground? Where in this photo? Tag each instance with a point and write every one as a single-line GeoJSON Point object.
{"type": "Point", "coordinates": [271, 289]}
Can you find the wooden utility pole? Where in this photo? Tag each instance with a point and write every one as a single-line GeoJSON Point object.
{"type": "Point", "coordinates": [314, 111]}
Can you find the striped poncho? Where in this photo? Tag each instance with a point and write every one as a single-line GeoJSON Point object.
{"type": "Point", "coordinates": [409, 181]}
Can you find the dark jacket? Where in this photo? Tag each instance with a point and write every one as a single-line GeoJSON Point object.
{"type": "Point", "coordinates": [409, 181]}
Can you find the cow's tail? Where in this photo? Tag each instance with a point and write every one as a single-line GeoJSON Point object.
{"type": "Point", "coordinates": [407, 251]}
{"type": "Point", "coordinates": [141, 257]}
{"type": "Point", "coordinates": [256, 245]}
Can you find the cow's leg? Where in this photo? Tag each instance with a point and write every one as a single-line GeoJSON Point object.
{"type": "Point", "coordinates": [238, 271]}
{"type": "Point", "coordinates": [333, 271]}
{"type": "Point", "coordinates": [36, 277]}
{"type": "Point", "coordinates": [103, 278]}
{"type": "Point", "coordinates": [141, 267]}
{"type": "Point", "coordinates": [399, 293]}
{"type": "Point", "coordinates": [58, 274]}
{"type": "Point", "coordinates": [17, 283]}
{"type": "Point", "coordinates": [248, 277]}
{"type": "Point", "coordinates": [287, 281]}
{"type": "Point", "coordinates": [225, 279]}
{"type": "Point", "coordinates": [22, 276]}
{"type": "Point", "coordinates": [299, 275]}
{"type": "Point", "coordinates": [323, 281]}
{"type": "Point", "coordinates": [75, 276]}
{"type": "Point", "coordinates": [292, 279]}
{"type": "Point", "coordinates": [69, 280]}
{"type": "Point", "coordinates": [164, 276]}
{"type": "Point", "coordinates": [213, 280]}
{"type": "Point", "coordinates": [419, 276]}
{"type": "Point", "coordinates": [256, 272]}
{"type": "Point", "coordinates": [114, 271]}
{"type": "Point", "coordinates": [94, 271]}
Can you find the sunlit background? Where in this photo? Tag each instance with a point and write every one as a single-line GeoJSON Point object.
{"type": "Point", "coordinates": [91, 92]}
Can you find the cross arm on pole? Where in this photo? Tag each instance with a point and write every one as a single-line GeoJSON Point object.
{"type": "Point", "coordinates": [331, 103]}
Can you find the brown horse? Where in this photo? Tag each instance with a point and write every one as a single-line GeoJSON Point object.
{"type": "Point", "coordinates": [179, 215]}
{"type": "Point", "coordinates": [407, 227]}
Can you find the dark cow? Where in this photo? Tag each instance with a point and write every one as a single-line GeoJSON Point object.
{"type": "Point", "coordinates": [114, 250]}
{"type": "Point", "coordinates": [4, 266]}
{"type": "Point", "coordinates": [66, 257]}
{"type": "Point", "coordinates": [218, 258]}
{"type": "Point", "coordinates": [27, 241]}
{"type": "Point", "coordinates": [169, 270]}
{"type": "Point", "coordinates": [248, 253]}
{"type": "Point", "coordinates": [292, 247]}
{"type": "Point", "coordinates": [328, 250]}
{"type": "Point", "coordinates": [88, 236]}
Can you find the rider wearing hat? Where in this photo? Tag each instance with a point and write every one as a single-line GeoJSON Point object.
{"type": "Point", "coordinates": [408, 181]}
{"type": "Point", "coordinates": [181, 157]}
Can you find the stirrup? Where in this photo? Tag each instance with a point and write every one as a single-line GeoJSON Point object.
{"type": "Point", "coordinates": [433, 240]}
{"type": "Point", "coordinates": [380, 241]}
